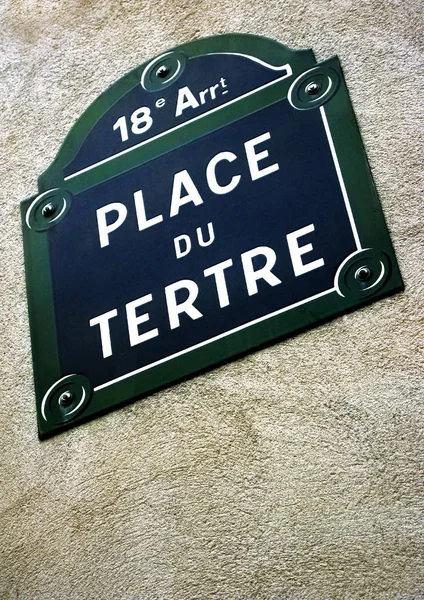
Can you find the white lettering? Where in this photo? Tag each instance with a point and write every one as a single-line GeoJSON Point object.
{"type": "Point", "coordinates": [264, 272]}
{"type": "Point", "coordinates": [134, 321]}
{"type": "Point", "coordinates": [177, 245]}
{"type": "Point", "coordinates": [211, 234]}
{"type": "Point", "coordinates": [103, 322]}
{"type": "Point", "coordinates": [182, 178]}
{"type": "Point", "coordinates": [212, 90]}
{"type": "Point", "coordinates": [142, 220]}
{"type": "Point", "coordinates": [141, 120]}
{"type": "Point", "coordinates": [103, 227]}
{"type": "Point", "coordinates": [202, 96]}
{"type": "Point", "coordinates": [297, 251]}
{"type": "Point", "coordinates": [221, 285]}
{"type": "Point", "coordinates": [211, 174]}
{"type": "Point", "coordinates": [184, 100]}
{"type": "Point", "coordinates": [175, 309]}
{"type": "Point", "coordinates": [253, 158]}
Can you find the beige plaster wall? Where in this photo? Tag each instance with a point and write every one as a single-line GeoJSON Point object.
{"type": "Point", "coordinates": [293, 473]}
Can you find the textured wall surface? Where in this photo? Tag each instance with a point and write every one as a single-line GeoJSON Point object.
{"type": "Point", "coordinates": [293, 473]}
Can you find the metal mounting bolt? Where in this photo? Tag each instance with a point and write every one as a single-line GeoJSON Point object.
{"type": "Point", "coordinates": [66, 398]}
{"type": "Point", "coordinates": [313, 88]}
{"type": "Point", "coordinates": [162, 71]}
{"type": "Point", "coordinates": [48, 210]}
{"type": "Point", "coordinates": [363, 274]}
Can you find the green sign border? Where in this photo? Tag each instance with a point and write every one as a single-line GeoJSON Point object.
{"type": "Point", "coordinates": [50, 383]}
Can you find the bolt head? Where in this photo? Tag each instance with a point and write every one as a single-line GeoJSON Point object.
{"type": "Point", "coordinates": [48, 210]}
{"type": "Point", "coordinates": [313, 88]}
{"type": "Point", "coordinates": [363, 274]}
{"type": "Point", "coordinates": [66, 398]}
{"type": "Point", "coordinates": [162, 71]}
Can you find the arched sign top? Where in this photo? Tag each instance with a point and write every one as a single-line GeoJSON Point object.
{"type": "Point", "coordinates": [144, 102]}
{"type": "Point", "coordinates": [215, 199]}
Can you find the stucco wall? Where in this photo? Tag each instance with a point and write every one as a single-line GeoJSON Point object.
{"type": "Point", "coordinates": [292, 473]}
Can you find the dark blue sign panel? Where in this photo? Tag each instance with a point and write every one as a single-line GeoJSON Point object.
{"type": "Point", "coordinates": [208, 203]}
{"type": "Point", "coordinates": [201, 241]}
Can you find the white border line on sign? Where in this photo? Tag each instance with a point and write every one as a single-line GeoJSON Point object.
{"type": "Point", "coordinates": [214, 339]}
{"type": "Point", "coordinates": [340, 176]}
{"type": "Point", "coordinates": [254, 58]}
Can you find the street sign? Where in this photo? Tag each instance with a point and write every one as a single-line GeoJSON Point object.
{"type": "Point", "coordinates": [211, 201]}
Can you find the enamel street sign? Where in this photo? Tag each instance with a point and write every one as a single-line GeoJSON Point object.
{"type": "Point", "coordinates": [211, 201]}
